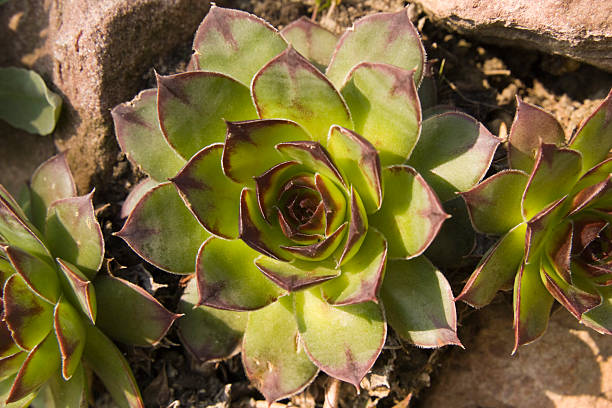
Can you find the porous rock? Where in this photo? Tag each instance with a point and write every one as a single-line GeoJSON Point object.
{"type": "Point", "coordinates": [580, 29]}
{"type": "Point", "coordinates": [94, 53]}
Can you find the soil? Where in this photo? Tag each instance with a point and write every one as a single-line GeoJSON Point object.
{"type": "Point", "coordinates": [481, 80]}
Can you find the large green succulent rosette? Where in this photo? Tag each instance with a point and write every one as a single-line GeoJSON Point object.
{"type": "Point", "coordinates": [58, 313]}
{"type": "Point", "coordinates": [299, 198]}
{"type": "Point", "coordinates": [553, 210]}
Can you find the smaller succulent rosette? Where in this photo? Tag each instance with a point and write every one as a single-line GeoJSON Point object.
{"type": "Point", "coordinates": [302, 200]}
{"type": "Point", "coordinates": [553, 210]}
{"type": "Point", "coordinates": [57, 310]}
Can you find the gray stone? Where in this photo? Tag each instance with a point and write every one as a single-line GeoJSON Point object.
{"type": "Point", "coordinates": [580, 29]}
{"type": "Point", "coordinates": [95, 54]}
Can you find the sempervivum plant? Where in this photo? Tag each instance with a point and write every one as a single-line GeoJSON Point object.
{"type": "Point", "coordinates": [553, 209]}
{"type": "Point", "coordinates": [56, 307]}
{"type": "Point", "coordinates": [294, 195]}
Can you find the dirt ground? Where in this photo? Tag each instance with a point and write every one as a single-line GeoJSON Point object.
{"type": "Point", "coordinates": [481, 80]}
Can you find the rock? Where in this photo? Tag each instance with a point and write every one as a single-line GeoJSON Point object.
{"type": "Point", "coordinates": [95, 54]}
{"type": "Point", "coordinates": [569, 367]}
{"type": "Point", "coordinates": [580, 29]}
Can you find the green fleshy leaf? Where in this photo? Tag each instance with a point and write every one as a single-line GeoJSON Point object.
{"type": "Point", "coordinates": [278, 368]}
{"type": "Point", "coordinates": [269, 185]}
{"type": "Point", "coordinates": [343, 341]}
{"type": "Point", "coordinates": [297, 274]}
{"type": "Point", "coordinates": [73, 233]}
{"type": "Point", "coordinates": [40, 277]}
{"type": "Point", "coordinates": [136, 194]}
{"type": "Point", "coordinates": [359, 161]}
{"type": "Point", "coordinates": [111, 367]}
{"type": "Point", "coordinates": [411, 214]}
{"type": "Point", "coordinates": [70, 333]}
{"type": "Point", "coordinates": [419, 303]}
{"type": "Point", "coordinates": [497, 267]}
{"type": "Point", "coordinates": [71, 393]}
{"type": "Point", "coordinates": [140, 137]}
{"type": "Point", "coordinates": [540, 226]}
{"type": "Point", "coordinates": [79, 289]}
{"type": "Point", "coordinates": [595, 175]}
{"type": "Point", "coordinates": [28, 316]}
{"type": "Point", "coordinates": [389, 38]}
{"type": "Point", "coordinates": [209, 334]}
{"type": "Point", "coordinates": [361, 275]}
{"type": "Point", "coordinates": [311, 40]}
{"type": "Point", "coordinates": [10, 365]}
{"type": "Point", "coordinates": [554, 174]}
{"type": "Point", "coordinates": [312, 156]}
{"type": "Point", "coordinates": [453, 153]}
{"type": "Point", "coordinates": [213, 198]}
{"type": "Point", "coordinates": [51, 181]}
{"type": "Point", "coordinates": [257, 233]}
{"type": "Point", "coordinates": [250, 146]}
{"type": "Point", "coordinates": [291, 87]}
{"type": "Point", "coordinates": [531, 127]}
{"type": "Point", "coordinates": [532, 304]}
{"type": "Point", "coordinates": [357, 228]}
{"type": "Point", "coordinates": [558, 249]}
{"type": "Point", "coordinates": [594, 138]}
{"type": "Point", "coordinates": [600, 317]}
{"type": "Point", "coordinates": [171, 241]}
{"type": "Point", "coordinates": [235, 43]}
{"type": "Point", "coordinates": [147, 322]}
{"type": "Point", "coordinates": [334, 201]}
{"type": "Point", "coordinates": [319, 250]}
{"type": "Point", "coordinates": [455, 240]}
{"type": "Point", "coordinates": [385, 108]}
{"type": "Point", "coordinates": [5, 388]}
{"type": "Point", "coordinates": [7, 344]}
{"type": "Point", "coordinates": [228, 278]}
{"type": "Point", "coordinates": [193, 108]}
{"type": "Point", "coordinates": [26, 102]}
{"type": "Point", "coordinates": [495, 204]}
{"type": "Point", "coordinates": [40, 364]}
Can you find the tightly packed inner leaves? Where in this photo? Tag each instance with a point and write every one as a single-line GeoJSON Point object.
{"type": "Point", "coordinates": [57, 310]}
{"type": "Point", "coordinates": [292, 173]}
{"type": "Point", "coordinates": [553, 209]}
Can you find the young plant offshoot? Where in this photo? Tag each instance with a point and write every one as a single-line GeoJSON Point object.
{"type": "Point", "coordinates": [303, 189]}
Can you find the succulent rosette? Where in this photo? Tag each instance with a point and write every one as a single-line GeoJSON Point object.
{"type": "Point", "coordinates": [296, 196]}
{"type": "Point", "coordinates": [553, 210]}
{"type": "Point", "coordinates": [57, 310]}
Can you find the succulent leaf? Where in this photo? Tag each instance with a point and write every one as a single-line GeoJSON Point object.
{"type": "Point", "coordinates": [211, 197]}
{"type": "Point", "coordinates": [5, 388]}
{"type": "Point", "coordinates": [311, 40]}
{"type": "Point", "coordinates": [10, 365]}
{"type": "Point", "coordinates": [411, 216]}
{"type": "Point", "coordinates": [169, 241]}
{"type": "Point", "coordinates": [15, 228]}
{"type": "Point", "coordinates": [419, 303]}
{"type": "Point", "coordinates": [319, 250]}
{"type": "Point", "coordinates": [594, 138]}
{"type": "Point", "coordinates": [141, 139]}
{"type": "Point", "coordinates": [552, 163]}
{"type": "Point", "coordinates": [228, 278]}
{"type": "Point", "coordinates": [297, 274]}
{"type": "Point", "coordinates": [148, 320]}
{"type": "Point", "coordinates": [235, 43]}
{"type": "Point", "coordinates": [193, 108]}
{"type": "Point", "coordinates": [51, 181]}
{"type": "Point", "coordinates": [41, 363]}
{"type": "Point", "coordinates": [111, 367]}
{"type": "Point", "coordinates": [531, 127]}
{"type": "Point", "coordinates": [494, 205]}
{"type": "Point", "coordinates": [362, 275]}
{"type": "Point", "coordinates": [28, 316]}
{"type": "Point", "coordinates": [600, 318]}
{"type": "Point", "coordinates": [39, 276]}
{"type": "Point", "coordinates": [385, 108]}
{"type": "Point", "coordinates": [73, 233]}
{"type": "Point", "coordinates": [538, 228]}
{"type": "Point", "coordinates": [271, 184]}
{"type": "Point", "coordinates": [312, 156]}
{"type": "Point", "coordinates": [388, 38]}
{"type": "Point", "coordinates": [69, 393]}
{"type": "Point", "coordinates": [333, 200]}
{"type": "Point", "coordinates": [359, 161]}
{"type": "Point", "coordinates": [454, 153]}
{"type": "Point", "coordinates": [8, 347]}
{"type": "Point", "coordinates": [250, 146]}
{"type": "Point", "coordinates": [532, 304]}
{"type": "Point", "coordinates": [70, 333]}
{"type": "Point", "coordinates": [209, 334]}
{"type": "Point", "coordinates": [343, 341]}
{"type": "Point", "coordinates": [357, 228]}
{"type": "Point", "coordinates": [290, 87]}
{"type": "Point", "coordinates": [79, 289]}
{"type": "Point", "coordinates": [278, 368]}
{"type": "Point", "coordinates": [136, 194]}
{"type": "Point", "coordinates": [497, 267]}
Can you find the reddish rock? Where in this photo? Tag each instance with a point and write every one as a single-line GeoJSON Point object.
{"type": "Point", "coordinates": [580, 29]}
{"type": "Point", "coordinates": [94, 53]}
{"type": "Point", "coordinates": [569, 367]}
